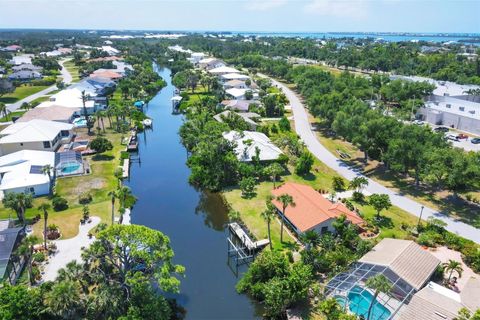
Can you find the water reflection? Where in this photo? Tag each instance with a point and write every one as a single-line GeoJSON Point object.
{"type": "Point", "coordinates": [213, 210]}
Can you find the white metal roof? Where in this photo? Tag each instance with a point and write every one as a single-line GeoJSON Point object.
{"type": "Point", "coordinates": [235, 76]}
{"type": "Point", "coordinates": [236, 93]}
{"type": "Point", "coordinates": [71, 98]}
{"type": "Point", "coordinates": [33, 130]}
{"type": "Point", "coordinates": [223, 70]}
{"type": "Point", "coordinates": [16, 168]}
{"type": "Point", "coordinates": [248, 141]}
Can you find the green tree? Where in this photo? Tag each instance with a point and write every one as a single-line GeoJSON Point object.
{"type": "Point", "coordinates": [18, 202]}
{"type": "Point", "coordinates": [311, 239]}
{"type": "Point", "coordinates": [247, 185]}
{"type": "Point", "coordinates": [286, 200]}
{"type": "Point", "coordinates": [304, 163]}
{"type": "Point", "coordinates": [379, 284]}
{"type": "Point", "coordinates": [26, 250]}
{"type": "Point", "coordinates": [274, 170]}
{"type": "Point", "coordinates": [358, 184]}
{"type": "Point", "coordinates": [20, 303]}
{"type": "Point", "coordinates": [44, 207]}
{"type": "Point", "coordinates": [379, 202]}
{"type": "Point", "coordinates": [113, 196]}
{"type": "Point", "coordinates": [465, 314]}
{"type": "Point", "coordinates": [338, 184]}
{"type": "Point", "coordinates": [284, 124]}
{"type": "Point", "coordinates": [101, 145]}
{"type": "Point", "coordinates": [64, 300]}
{"type": "Point", "coordinates": [48, 170]}
{"type": "Point", "coordinates": [453, 266]}
{"type": "Point", "coordinates": [268, 215]}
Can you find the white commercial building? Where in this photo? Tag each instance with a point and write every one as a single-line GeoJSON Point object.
{"type": "Point", "coordinates": [42, 135]}
{"type": "Point", "coordinates": [247, 143]}
{"type": "Point", "coordinates": [22, 171]}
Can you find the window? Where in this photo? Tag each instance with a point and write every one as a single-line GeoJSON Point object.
{"type": "Point", "coordinates": [65, 133]}
{"type": "Point", "coordinates": [46, 144]}
{"type": "Point", "coordinates": [472, 111]}
{"type": "Point", "coordinates": [324, 230]}
{"type": "Point", "coordinates": [448, 106]}
{"type": "Point", "coordinates": [461, 108]}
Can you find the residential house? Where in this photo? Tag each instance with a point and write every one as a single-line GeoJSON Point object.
{"type": "Point", "coordinates": [196, 57]}
{"type": "Point", "coordinates": [238, 105]}
{"type": "Point", "coordinates": [312, 210]}
{"type": "Point", "coordinates": [107, 73]}
{"type": "Point", "coordinates": [22, 171]}
{"type": "Point", "coordinates": [25, 75]}
{"type": "Point", "coordinates": [36, 134]}
{"type": "Point", "coordinates": [26, 67]}
{"type": "Point", "coordinates": [21, 59]}
{"type": "Point", "coordinates": [110, 50]}
{"type": "Point", "coordinates": [72, 98]}
{"type": "Point", "coordinates": [237, 94]}
{"type": "Point", "coordinates": [248, 117]}
{"type": "Point", "coordinates": [10, 266]}
{"type": "Point", "coordinates": [11, 48]}
{"type": "Point", "coordinates": [211, 63]}
{"type": "Point", "coordinates": [235, 84]}
{"type": "Point", "coordinates": [248, 142]}
{"type": "Point", "coordinates": [52, 113]}
{"type": "Point", "coordinates": [233, 76]}
{"type": "Point", "coordinates": [405, 264]}
{"type": "Point", "coordinates": [223, 70]}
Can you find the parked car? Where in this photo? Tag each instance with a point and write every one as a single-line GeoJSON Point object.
{"type": "Point", "coordinates": [452, 137]}
{"type": "Point", "coordinates": [441, 129]}
{"type": "Point", "coordinates": [418, 122]}
{"type": "Point", "coordinates": [475, 140]}
{"type": "Point", "coordinates": [462, 136]}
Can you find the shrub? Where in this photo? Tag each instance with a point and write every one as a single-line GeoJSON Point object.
{"type": "Point", "coordinates": [430, 238]}
{"type": "Point", "coordinates": [59, 203]}
{"type": "Point", "coordinates": [284, 124]}
{"type": "Point", "coordinates": [304, 163]}
{"type": "Point", "coordinates": [38, 257]}
{"type": "Point", "coordinates": [85, 198]}
{"type": "Point", "coordinates": [358, 197]}
{"type": "Point", "coordinates": [247, 185]}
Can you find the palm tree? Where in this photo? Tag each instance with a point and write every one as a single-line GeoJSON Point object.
{"type": "Point", "coordinates": [113, 196]}
{"type": "Point", "coordinates": [453, 266]}
{"type": "Point", "coordinates": [18, 202]}
{"type": "Point", "coordinates": [26, 250]}
{"type": "Point", "coordinates": [379, 284]}
{"type": "Point", "coordinates": [44, 207]}
{"type": "Point", "coordinates": [358, 184]}
{"type": "Point", "coordinates": [268, 215]}
{"type": "Point", "coordinates": [64, 299]}
{"type": "Point", "coordinates": [311, 239]}
{"type": "Point", "coordinates": [48, 169]}
{"type": "Point", "coordinates": [123, 193]}
{"type": "Point", "coordinates": [274, 170]}
{"type": "Point", "coordinates": [100, 114]}
{"type": "Point", "coordinates": [286, 201]}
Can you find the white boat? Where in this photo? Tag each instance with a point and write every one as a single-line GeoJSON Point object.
{"type": "Point", "coordinates": [147, 122]}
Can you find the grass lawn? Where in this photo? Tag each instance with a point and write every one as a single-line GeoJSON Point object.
{"type": "Point", "coordinates": [98, 183]}
{"type": "Point", "coordinates": [20, 93]}
{"type": "Point", "coordinates": [11, 115]}
{"type": "Point", "coordinates": [73, 69]}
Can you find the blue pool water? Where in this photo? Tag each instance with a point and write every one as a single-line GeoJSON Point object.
{"type": "Point", "coordinates": [80, 122]}
{"type": "Point", "coordinates": [359, 302]}
{"type": "Point", "coordinates": [71, 167]}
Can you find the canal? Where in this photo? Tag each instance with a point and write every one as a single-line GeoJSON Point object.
{"type": "Point", "coordinates": [194, 220]}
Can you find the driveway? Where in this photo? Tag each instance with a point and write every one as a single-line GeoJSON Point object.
{"type": "Point", "coordinates": [304, 130]}
{"type": "Point", "coordinates": [67, 79]}
{"type": "Point", "coordinates": [69, 250]}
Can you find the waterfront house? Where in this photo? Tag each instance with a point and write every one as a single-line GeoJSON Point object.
{"type": "Point", "coordinates": [25, 75]}
{"type": "Point", "coordinates": [237, 105]}
{"type": "Point", "coordinates": [10, 266]}
{"type": "Point", "coordinates": [72, 98]}
{"type": "Point", "coordinates": [248, 117]}
{"type": "Point", "coordinates": [237, 94]}
{"type": "Point", "coordinates": [247, 143]}
{"type": "Point", "coordinates": [51, 113]}
{"type": "Point", "coordinates": [312, 210]}
{"type": "Point", "coordinates": [211, 63]}
{"type": "Point", "coordinates": [35, 134]}
{"type": "Point", "coordinates": [22, 171]}
{"type": "Point", "coordinates": [233, 76]}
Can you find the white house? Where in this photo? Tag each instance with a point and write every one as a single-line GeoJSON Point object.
{"type": "Point", "coordinates": [233, 76]}
{"type": "Point", "coordinates": [42, 135]}
{"type": "Point", "coordinates": [18, 60]}
{"type": "Point", "coordinates": [211, 63]}
{"type": "Point", "coordinates": [247, 143]}
{"type": "Point", "coordinates": [196, 57]}
{"type": "Point", "coordinates": [238, 94]}
{"type": "Point", "coordinates": [72, 98]}
{"type": "Point", "coordinates": [110, 50]}
{"type": "Point", "coordinates": [22, 171]}
{"type": "Point", "coordinates": [223, 70]}
{"type": "Point", "coordinates": [237, 84]}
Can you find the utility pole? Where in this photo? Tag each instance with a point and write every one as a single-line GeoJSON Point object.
{"type": "Point", "coordinates": [420, 218]}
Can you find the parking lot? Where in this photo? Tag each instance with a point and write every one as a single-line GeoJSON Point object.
{"type": "Point", "coordinates": [465, 144]}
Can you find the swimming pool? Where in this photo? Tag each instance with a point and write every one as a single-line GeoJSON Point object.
{"type": "Point", "coordinates": [70, 167]}
{"type": "Point", "coordinates": [359, 301]}
{"type": "Point", "coordinates": [80, 122]}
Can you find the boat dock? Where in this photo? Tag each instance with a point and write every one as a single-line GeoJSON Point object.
{"type": "Point", "coordinates": [241, 248]}
{"type": "Point", "coordinates": [126, 169]}
{"type": "Point", "coordinates": [132, 142]}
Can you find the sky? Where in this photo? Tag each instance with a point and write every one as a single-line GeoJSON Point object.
{"type": "Point", "coordinates": [246, 15]}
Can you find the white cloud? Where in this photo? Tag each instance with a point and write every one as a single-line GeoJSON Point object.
{"type": "Point", "coordinates": [263, 5]}
{"type": "Point", "coordinates": [339, 8]}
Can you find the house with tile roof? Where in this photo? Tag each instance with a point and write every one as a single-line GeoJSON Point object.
{"type": "Point", "coordinates": [312, 211]}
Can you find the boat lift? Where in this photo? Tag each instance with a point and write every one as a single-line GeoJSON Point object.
{"type": "Point", "coordinates": [241, 248]}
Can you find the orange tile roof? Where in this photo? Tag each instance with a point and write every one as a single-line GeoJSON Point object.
{"type": "Point", "coordinates": [311, 208]}
{"type": "Point", "coordinates": [106, 74]}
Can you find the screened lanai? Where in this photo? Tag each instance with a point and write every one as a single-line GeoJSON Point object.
{"type": "Point", "coordinates": [68, 163]}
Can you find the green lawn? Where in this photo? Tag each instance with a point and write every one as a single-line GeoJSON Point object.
{"type": "Point", "coordinates": [73, 69]}
{"type": "Point", "coordinates": [11, 115]}
{"type": "Point", "coordinates": [20, 93]}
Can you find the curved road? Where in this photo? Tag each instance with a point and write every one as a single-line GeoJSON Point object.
{"type": "Point", "coordinates": [304, 130]}
{"type": "Point", "coordinates": [67, 79]}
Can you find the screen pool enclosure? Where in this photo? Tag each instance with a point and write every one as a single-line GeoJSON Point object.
{"type": "Point", "coordinates": [350, 290]}
{"type": "Point", "coordinates": [68, 163]}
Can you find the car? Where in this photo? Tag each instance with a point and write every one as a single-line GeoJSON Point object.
{"type": "Point", "coordinates": [441, 129]}
{"type": "Point", "coordinates": [462, 136]}
{"type": "Point", "coordinates": [418, 122]}
{"type": "Point", "coordinates": [475, 140]}
{"type": "Point", "coordinates": [452, 137]}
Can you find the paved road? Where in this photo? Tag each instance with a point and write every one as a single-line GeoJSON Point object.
{"type": "Point", "coordinates": [67, 79]}
{"type": "Point", "coordinates": [304, 130]}
{"type": "Point", "coordinates": [69, 250]}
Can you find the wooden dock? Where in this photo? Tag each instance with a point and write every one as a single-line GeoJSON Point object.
{"type": "Point", "coordinates": [126, 168]}
{"type": "Point", "coordinates": [132, 144]}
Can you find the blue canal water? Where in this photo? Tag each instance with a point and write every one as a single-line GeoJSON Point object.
{"type": "Point", "coordinates": [194, 220]}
